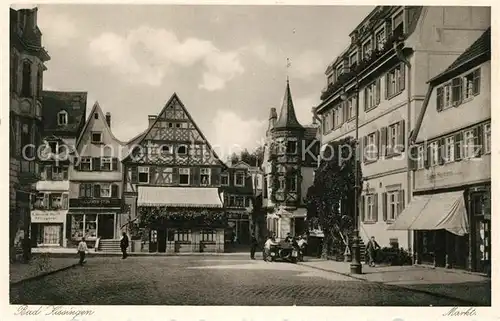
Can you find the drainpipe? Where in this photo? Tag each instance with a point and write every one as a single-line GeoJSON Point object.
{"type": "Point", "coordinates": [399, 53]}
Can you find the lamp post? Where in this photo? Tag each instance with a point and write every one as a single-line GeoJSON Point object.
{"type": "Point", "coordinates": [356, 267]}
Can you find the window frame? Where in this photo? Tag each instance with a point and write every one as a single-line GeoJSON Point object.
{"type": "Point", "coordinates": [487, 138]}
{"type": "Point", "coordinates": [449, 149]}
{"type": "Point", "coordinates": [64, 114]}
{"type": "Point", "coordinates": [367, 53]}
{"type": "Point", "coordinates": [378, 44]}
{"type": "Point", "coordinates": [185, 148]}
{"type": "Point", "coordinates": [393, 205]}
{"type": "Point", "coordinates": [183, 171]}
{"type": "Point", "coordinates": [222, 176]}
{"type": "Point", "coordinates": [208, 173]}
{"type": "Point", "coordinates": [291, 150]}
{"type": "Point", "coordinates": [85, 160]}
{"type": "Point", "coordinates": [370, 207]}
{"type": "Point", "coordinates": [421, 157]}
{"type": "Point", "coordinates": [468, 150]}
{"type": "Point", "coordinates": [395, 74]}
{"type": "Point", "coordinates": [92, 137]}
{"type": "Point", "coordinates": [355, 55]}
{"type": "Point", "coordinates": [434, 153]}
{"type": "Point", "coordinates": [242, 173]}
{"type": "Point", "coordinates": [105, 187]}
{"type": "Point", "coordinates": [143, 170]}
{"type": "Point", "coordinates": [372, 89]}
{"type": "Point", "coordinates": [208, 236]}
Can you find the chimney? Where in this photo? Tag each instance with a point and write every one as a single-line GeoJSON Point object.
{"type": "Point", "coordinates": [108, 119]}
{"type": "Point", "coordinates": [151, 119]}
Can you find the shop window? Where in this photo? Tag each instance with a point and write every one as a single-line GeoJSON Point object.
{"type": "Point", "coordinates": [208, 236]}
{"type": "Point", "coordinates": [91, 226]}
{"type": "Point", "coordinates": [224, 179]}
{"type": "Point", "coordinates": [143, 174]}
{"type": "Point", "coordinates": [239, 179]}
{"type": "Point", "coordinates": [184, 175]}
{"type": "Point", "coordinates": [205, 176]}
{"type": "Point", "coordinates": [77, 226]}
{"type": "Point", "coordinates": [183, 236]}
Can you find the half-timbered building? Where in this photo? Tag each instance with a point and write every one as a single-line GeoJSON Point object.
{"type": "Point", "coordinates": [172, 180]}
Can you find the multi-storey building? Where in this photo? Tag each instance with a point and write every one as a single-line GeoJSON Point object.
{"type": "Point", "coordinates": [451, 208]}
{"type": "Point", "coordinates": [95, 199]}
{"type": "Point", "coordinates": [63, 120]}
{"type": "Point", "coordinates": [171, 184]}
{"type": "Point", "coordinates": [237, 185]}
{"type": "Point", "coordinates": [392, 53]}
{"type": "Point", "coordinates": [27, 58]}
{"type": "Point", "coordinates": [289, 162]}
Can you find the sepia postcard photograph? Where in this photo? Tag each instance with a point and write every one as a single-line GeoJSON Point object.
{"type": "Point", "coordinates": [255, 155]}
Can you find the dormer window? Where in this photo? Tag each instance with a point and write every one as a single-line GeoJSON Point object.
{"type": "Point", "coordinates": [62, 118]}
{"type": "Point", "coordinates": [380, 39]}
{"type": "Point", "coordinates": [353, 59]}
{"type": "Point", "coordinates": [367, 49]}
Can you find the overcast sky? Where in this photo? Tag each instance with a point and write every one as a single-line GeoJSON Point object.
{"type": "Point", "coordinates": [226, 63]}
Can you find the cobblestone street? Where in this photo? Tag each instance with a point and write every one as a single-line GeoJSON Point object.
{"type": "Point", "coordinates": [209, 281]}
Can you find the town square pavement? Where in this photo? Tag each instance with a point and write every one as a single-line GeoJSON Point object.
{"type": "Point", "coordinates": [231, 280]}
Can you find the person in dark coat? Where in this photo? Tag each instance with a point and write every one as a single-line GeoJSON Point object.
{"type": "Point", "coordinates": [124, 245]}
{"type": "Point", "coordinates": [253, 246]}
{"type": "Point", "coordinates": [371, 249]}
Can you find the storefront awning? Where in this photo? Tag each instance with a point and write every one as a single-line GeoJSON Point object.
{"type": "Point", "coordinates": [434, 212]}
{"type": "Point", "coordinates": [179, 197]}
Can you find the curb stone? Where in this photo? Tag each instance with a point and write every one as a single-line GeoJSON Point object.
{"type": "Point", "coordinates": [42, 275]}
{"type": "Point", "coordinates": [439, 295]}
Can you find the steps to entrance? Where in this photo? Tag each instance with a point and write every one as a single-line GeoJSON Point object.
{"type": "Point", "coordinates": [109, 246]}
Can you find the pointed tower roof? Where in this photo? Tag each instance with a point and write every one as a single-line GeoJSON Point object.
{"type": "Point", "coordinates": [287, 118]}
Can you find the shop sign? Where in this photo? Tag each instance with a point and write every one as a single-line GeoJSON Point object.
{"type": "Point", "coordinates": [48, 216]}
{"type": "Point", "coordinates": [95, 202]}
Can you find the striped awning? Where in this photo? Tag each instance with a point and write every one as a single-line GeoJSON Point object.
{"type": "Point", "coordinates": [179, 197]}
{"type": "Point", "coordinates": [434, 212]}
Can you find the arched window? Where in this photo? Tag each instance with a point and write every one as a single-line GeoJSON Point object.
{"type": "Point", "coordinates": [26, 88]}
{"type": "Point", "coordinates": [182, 150]}
{"type": "Point", "coordinates": [62, 118]}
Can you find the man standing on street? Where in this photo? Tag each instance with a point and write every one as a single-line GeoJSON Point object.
{"type": "Point", "coordinates": [82, 249]}
{"type": "Point", "coordinates": [124, 245]}
{"type": "Point", "coordinates": [371, 248]}
{"type": "Point", "coordinates": [253, 246]}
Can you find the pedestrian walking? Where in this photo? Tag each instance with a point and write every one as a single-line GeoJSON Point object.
{"type": "Point", "coordinates": [82, 249]}
{"type": "Point", "coordinates": [124, 245]}
{"type": "Point", "coordinates": [253, 246]}
{"type": "Point", "coordinates": [267, 247]}
{"type": "Point", "coordinates": [371, 249]}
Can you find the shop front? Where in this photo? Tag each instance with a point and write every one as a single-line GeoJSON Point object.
{"type": "Point", "coordinates": [287, 220]}
{"type": "Point", "coordinates": [451, 229]}
{"type": "Point", "coordinates": [179, 220]}
{"type": "Point", "coordinates": [47, 227]}
{"type": "Point", "coordinates": [237, 233]}
{"type": "Point", "coordinates": [93, 219]}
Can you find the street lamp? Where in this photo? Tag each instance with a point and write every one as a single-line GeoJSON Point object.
{"type": "Point", "coordinates": [356, 267]}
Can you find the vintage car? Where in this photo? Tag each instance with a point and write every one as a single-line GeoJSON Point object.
{"type": "Point", "coordinates": [283, 251]}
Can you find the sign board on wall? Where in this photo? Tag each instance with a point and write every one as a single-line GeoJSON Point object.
{"type": "Point", "coordinates": [95, 202]}
{"type": "Point", "coordinates": [39, 216]}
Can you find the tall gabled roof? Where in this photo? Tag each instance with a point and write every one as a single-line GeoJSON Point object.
{"type": "Point", "coordinates": [480, 47]}
{"type": "Point", "coordinates": [287, 118]}
{"type": "Point", "coordinates": [137, 140]}
{"type": "Point", "coordinates": [74, 103]}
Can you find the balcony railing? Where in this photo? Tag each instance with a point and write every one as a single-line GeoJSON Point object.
{"type": "Point", "coordinates": [361, 66]}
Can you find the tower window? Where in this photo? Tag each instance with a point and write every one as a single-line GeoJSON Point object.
{"type": "Point", "coordinates": [62, 118]}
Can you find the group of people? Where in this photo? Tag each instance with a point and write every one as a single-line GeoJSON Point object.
{"type": "Point", "coordinates": [300, 242]}
{"type": "Point", "coordinates": [83, 249]}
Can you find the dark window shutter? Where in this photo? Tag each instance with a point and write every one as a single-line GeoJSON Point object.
{"type": "Point", "coordinates": [401, 201]}
{"type": "Point", "coordinates": [195, 178]}
{"type": "Point", "coordinates": [49, 172]}
{"type": "Point", "coordinates": [82, 190]}
{"type": "Point", "coordinates": [97, 190]}
{"type": "Point", "coordinates": [386, 94]}
{"type": "Point", "coordinates": [377, 143]}
{"type": "Point", "coordinates": [134, 175]}
{"type": "Point", "coordinates": [458, 146]}
{"type": "Point", "coordinates": [175, 175]}
{"type": "Point", "coordinates": [375, 207]}
{"type": "Point", "coordinates": [476, 85]}
{"type": "Point", "coordinates": [402, 79]}
{"type": "Point", "coordinates": [401, 136]}
{"type": "Point", "coordinates": [413, 161]}
{"type": "Point", "coordinates": [64, 199]}
{"type": "Point", "coordinates": [427, 160]}
{"type": "Point", "coordinates": [441, 153]}
{"type": "Point", "coordinates": [439, 99]}
{"type": "Point", "coordinates": [365, 103]}
{"type": "Point", "coordinates": [362, 209]}
{"type": "Point", "coordinates": [96, 164]}
{"type": "Point", "coordinates": [363, 151]}
{"type": "Point", "coordinates": [215, 177]}
{"type": "Point", "coordinates": [384, 206]}
{"type": "Point", "coordinates": [377, 91]}
{"type": "Point", "coordinates": [383, 139]}
{"type": "Point", "coordinates": [478, 141]}
{"type": "Point", "coordinates": [114, 164]}
{"type": "Point", "coordinates": [65, 173]}
{"type": "Point", "coordinates": [456, 91]}
{"type": "Point", "coordinates": [114, 191]}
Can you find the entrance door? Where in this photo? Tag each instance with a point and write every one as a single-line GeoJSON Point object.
{"type": "Point", "coordinates": [106, 226]}
{"type": "Point", "coordinates": [153, 240]}
{"type": "Point", "coordinates": [162, 241]}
